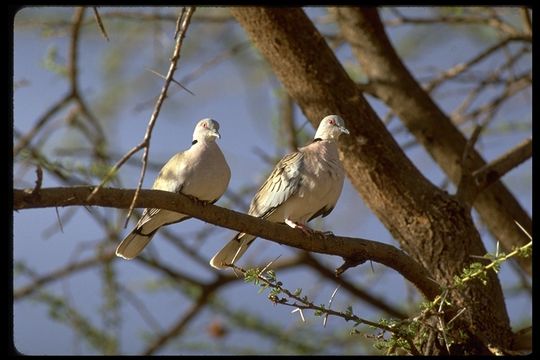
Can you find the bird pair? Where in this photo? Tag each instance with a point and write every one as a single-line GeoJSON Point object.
{"type": "Point", "coordinates": [302, 186]}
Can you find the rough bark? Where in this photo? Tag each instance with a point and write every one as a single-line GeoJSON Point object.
{"type": "Point", "coordinates": [394, 84]}
{"type": "Point", "coordinates": [428, 223]}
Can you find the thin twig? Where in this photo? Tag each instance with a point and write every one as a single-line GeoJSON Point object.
{"type": "Point", "coordinates": [462, 67]}
{"type": "Point", "coordinates": [59, 273]}
{"type": "Point", "coordinates": [172, 68]}
{"type": "Point", "coordinates": [180, 325]}
{"type": "Point", "coordinates": [527, 23]}
{"type": "Point", "coordinates": [27, 138]}
{"type": "Point", "coordinates": [146, 141]}
{"type": "Point", "coordinates": [203, 69]}
{"type": "Point", "coordinates": [73, 93]}
{"type": "Point", "coordinates": [141, 308]}
{"type": "Point", "coordinates": [286, 112]}
{"type": "Point", "coordinates": [114, 168]}
{"type": "Point", "coordinates": [100, 23]}
{"type": "Point", "coordinates": [73, 45]}
{"type": "Point", "coordinates": [178, 23]}
{"type": "Point", "coordinates": [521, 82]}
{"type": "Point", "coordinates": [492, 21]}
{"type": "Point", "coordinates": [302, 303]}
{"type": "Point", "coordinates": [488, 81]}
{"type": "Point", "coordinates": [492, 172]}
{"type": "Point", "coordinates": [73, 73]}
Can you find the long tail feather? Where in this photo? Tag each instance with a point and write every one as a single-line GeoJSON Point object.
{"type": "Point", "coordinates": [232, 251]}
{"type": "Point", "coordinates": [133, 244]}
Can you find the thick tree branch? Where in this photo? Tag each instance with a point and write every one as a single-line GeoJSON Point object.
{"type": "Point", "coordinates": [395, 85]}
{"type": "Point", "coordinates": [347, 248]}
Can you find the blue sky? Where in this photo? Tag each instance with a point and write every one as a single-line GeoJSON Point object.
{"type": "Point", "coordinates": [243, 99]}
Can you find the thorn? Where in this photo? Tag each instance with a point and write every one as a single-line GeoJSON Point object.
{"type": "Point", "coordinates": [522, 229]}
{"type": "Point", "coordinates": [330, 305]}
{"type": "Point", "coordinates": [172, 79]}
{"type": "Point", "coordinates": [270, 263]}
{"type": "Point", "coordinates": [301, 314]}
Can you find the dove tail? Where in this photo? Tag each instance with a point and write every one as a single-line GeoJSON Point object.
{"type": "Point", "coordinates": [232, 251]}
{"type": "Point", "coordinates": [133, 244]}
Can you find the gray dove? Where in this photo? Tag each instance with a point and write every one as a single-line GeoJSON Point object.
{"type": "Point", "coordinates": [201, 172]}
{"type": "Point", "coordinates": [302, 186]}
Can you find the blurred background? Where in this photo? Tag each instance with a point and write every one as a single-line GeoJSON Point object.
{"type": "Point", "coordinates": [72, 296]}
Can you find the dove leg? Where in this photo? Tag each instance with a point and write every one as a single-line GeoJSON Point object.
{"type": "Point", "coordinates": [305, 229]}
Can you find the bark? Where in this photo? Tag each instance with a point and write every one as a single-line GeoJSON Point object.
{"type": "Point", "coordinates": [429, 224]}
{"type": "Point", "coordinates": [394, 84]}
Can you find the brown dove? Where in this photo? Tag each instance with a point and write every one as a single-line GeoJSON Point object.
{"type": "Point", "coordinates": [303, 185]}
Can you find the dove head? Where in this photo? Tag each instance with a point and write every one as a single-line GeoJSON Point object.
{"type": "Point", "coordinates": [206, 130]}
{"type": "Point", "coordinates": [330, 128]}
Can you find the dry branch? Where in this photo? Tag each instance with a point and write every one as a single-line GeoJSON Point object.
{"type": "Point", "coordinates": [332, 245]}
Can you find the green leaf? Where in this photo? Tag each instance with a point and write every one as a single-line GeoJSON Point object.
{"type": "Point", "coordinates": [50, 62]}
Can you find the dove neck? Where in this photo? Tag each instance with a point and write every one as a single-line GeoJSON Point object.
{"type": "Point", "coordinates": [205, 143]}
{"type": "Point", "coordinates": [318, 139]}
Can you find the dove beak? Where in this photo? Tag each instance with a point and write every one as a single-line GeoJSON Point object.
{"type": "Point", "coordinates": [215, 134]}
{"type": "Point", "coordinates": [344, 130]}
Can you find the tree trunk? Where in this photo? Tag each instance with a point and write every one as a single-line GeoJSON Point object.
{"type": "Point", "coordinates": [428, 223]}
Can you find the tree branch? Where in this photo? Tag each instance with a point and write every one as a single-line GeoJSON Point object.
{"type": "Point", "coordinates": [180, 324]}
{"type": "Point", "coordinates": [396, 86]}
{"type": "Point", "coordinates": [100, 23]}
{"type": "Point", "coordinates": [347, 248]}
{"type": "Point", "coordinates": [526, 18]}
{"type": "Point", "coordinates": [492, 172]}
{"type": "Point", "coordinates": [492, 21]}
{"type": "Point", "coordinates": [59, 273]}
{"type": "Point", "coordinates": [72, 95]}
{"type": "Point", "coordinates": [463, 67]}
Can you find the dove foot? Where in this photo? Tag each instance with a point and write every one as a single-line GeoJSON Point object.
{"type": "Point", "coordinates": [304, 228]}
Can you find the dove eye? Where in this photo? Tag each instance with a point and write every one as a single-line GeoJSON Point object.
{"type": "Point", "coordinates": [332, 122]}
